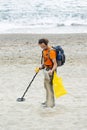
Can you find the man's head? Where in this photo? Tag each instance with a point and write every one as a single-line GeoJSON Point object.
{"type": "Point", "coordinates": [43, 43]}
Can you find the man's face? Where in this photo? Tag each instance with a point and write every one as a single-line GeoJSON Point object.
{"type": "Point", "coordinates": [43, 46]}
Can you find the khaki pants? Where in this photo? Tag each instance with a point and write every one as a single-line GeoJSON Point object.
{"type": "Point", "coordinates": [49, 89]}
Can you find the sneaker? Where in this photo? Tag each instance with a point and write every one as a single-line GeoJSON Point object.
{"type": "Point", "coordinates": [44, 106]}
{"type": "Point", "coordinates": [44, 103]}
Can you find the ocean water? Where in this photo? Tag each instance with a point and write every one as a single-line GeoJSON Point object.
{"type": "Point", "coordinates": [43, 16]}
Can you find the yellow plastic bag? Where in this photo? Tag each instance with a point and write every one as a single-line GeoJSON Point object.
{"type": "Point", "coordinates": [58, 87]}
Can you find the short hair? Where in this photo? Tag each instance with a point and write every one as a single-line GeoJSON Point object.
{"type": "Point", "coordinates": [45, 41]}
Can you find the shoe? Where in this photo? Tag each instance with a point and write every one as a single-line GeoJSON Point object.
{"type": "Point", "coordinates": [51, 106]}
{"type": "Point", "coordinates": [44, 103]}
{"type": "Point", "coordinates": [44, 106]}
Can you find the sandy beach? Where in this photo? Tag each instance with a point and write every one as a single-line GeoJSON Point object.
{"type": "Point", "coordinates": [19, 56]}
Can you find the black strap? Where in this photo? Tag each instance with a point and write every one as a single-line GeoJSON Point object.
{"type": "Point", "coordinates": [42, 58]}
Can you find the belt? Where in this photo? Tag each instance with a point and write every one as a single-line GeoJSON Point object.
{"type": "Point", "coordinates": [47, 67]}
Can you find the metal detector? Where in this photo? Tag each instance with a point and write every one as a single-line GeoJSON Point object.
{"type": "Point", "coordinates": [22, 98]}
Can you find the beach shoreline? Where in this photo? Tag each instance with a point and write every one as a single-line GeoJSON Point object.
{"type": "Point", "coordinates": [61, 29]}
{"type": "Point", "coordinates": [19, 56]}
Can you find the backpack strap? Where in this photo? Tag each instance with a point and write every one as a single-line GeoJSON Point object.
{"type": "Point", "coordinates": [42, 58]}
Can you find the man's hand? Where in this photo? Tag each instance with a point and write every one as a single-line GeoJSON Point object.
{"type": "Point", "coordinates": [50, 72]}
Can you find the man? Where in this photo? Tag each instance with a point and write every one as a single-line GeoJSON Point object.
{"type": "Point", "coordinates": [49, 65]}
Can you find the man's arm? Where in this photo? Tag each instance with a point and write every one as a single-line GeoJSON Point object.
{"type": "Point", "coordinates": [54, 67]}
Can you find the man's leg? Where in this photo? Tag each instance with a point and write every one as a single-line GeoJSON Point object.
{"type": "Point", "coordinates": [49, 90]}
